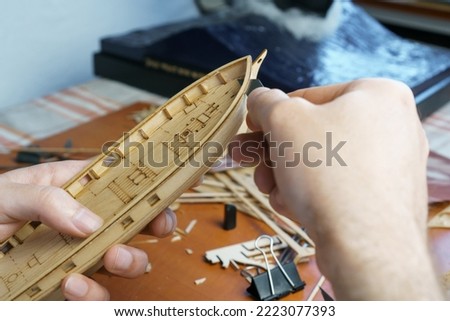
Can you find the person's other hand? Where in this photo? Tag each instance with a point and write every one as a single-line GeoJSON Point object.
{"type": "Point", "coordinates": [349, 162]}
{"type": "Point", "coordinates": [33, 194]}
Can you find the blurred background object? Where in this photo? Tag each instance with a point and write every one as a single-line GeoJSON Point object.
{"type": "Point", "coordinates": [47, 45]}
{"type": "Point", "coordinates": [336, 43]}
{"type": "Point", "coordinates": [427, 21]}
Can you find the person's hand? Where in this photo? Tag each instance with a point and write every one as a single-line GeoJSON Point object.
{"type": "Point", "coordinates": [349, 161]}
{"type": "Point", "coordinates": [33, 194]}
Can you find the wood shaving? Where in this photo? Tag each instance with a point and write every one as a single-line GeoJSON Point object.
{"type": "Point", "coordinates": [200, 281]}
{"type": "Point", "coordinates": [191, 225]}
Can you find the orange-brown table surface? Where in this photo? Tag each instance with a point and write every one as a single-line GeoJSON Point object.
{"type": "Point", "coordinates": [174, 271]}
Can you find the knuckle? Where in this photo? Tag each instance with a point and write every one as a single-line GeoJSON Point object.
{"type": "Point", "coordinates": [402, 92]}
{"type": "Point", "coordinates": [280, 113]}
{"type": "Point", "coordinates": [395, 90]}
{"type": "Point", "coordinates": [267, 95]}
{"type": "Point", "coordinates": [49, 196]}
{"type": "Point", "coordinates": [383, 84]}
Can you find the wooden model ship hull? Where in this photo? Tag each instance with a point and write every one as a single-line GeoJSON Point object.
{"type": "Point", "coordinates": [139, 176]}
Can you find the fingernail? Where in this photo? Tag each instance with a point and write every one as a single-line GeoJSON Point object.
{"type": "Point", "coordinates": [170, 222]}
{"type": "Point", "coordinates": [86, 221]}
{"type": "Point", "coordinates": [76, 286]}
{"type": "Point", "coordinates": [123, 260]}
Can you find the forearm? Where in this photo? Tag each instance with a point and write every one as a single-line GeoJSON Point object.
{"type": "Point", "coordinates": [372, 241]}
{"type": "Point", "coordinates": [382, 268]}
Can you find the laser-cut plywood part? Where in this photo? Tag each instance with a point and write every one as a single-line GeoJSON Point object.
{"type": "Point", "coordinates": [243, 253]}
{"type": "Point", "coordinates": [142, 173]}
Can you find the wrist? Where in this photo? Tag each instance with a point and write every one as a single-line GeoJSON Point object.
{"type": "Point", "coordinates": [379, 269]}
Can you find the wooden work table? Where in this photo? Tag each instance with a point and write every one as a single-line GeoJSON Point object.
{"type": "Point", "coordinates": [174, 271]}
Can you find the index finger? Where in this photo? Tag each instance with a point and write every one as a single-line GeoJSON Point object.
{"type": "Point", "coordinates": [261, 104]}
{"type": "Point", "coordinates": [55, 174]}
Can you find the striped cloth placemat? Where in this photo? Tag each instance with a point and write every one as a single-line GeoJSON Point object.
{"type": "Point", "coordinates": [46, 116]}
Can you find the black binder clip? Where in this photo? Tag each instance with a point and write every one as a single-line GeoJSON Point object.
{"type": "Point", "coordinates": [277, 282]}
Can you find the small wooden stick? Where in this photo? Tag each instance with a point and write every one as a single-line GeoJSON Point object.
{"type": "Point", "coordinates": [211, 194]}
{"type": "Point", "coordinates": [301, 251]}
{"type": "Point", "coordinates": [244, 209]}
{"type": "Point", "coordinates": [214, 183]}
{"type": "Point", "coordinates": [316, 289]}
{"type": "Point", "coordinates": [144, 242]}
{"type": "Point", "coordinates": [190, 226]}
{"type": "Point", "coordinates": [178, 230]}
{"type": "Point", "coordinates": [200, 281]}
{"type": "Point", "coordinates": [265, 202]}
{"type": "Point", "coordinates": [296, 229]}
{"type": "Point", "coordinates": [207, 200]}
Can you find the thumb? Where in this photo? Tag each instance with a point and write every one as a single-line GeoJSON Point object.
{"type": "Point", "coordinates": [261, 104]}
{"type": "Point", "coordinates": [48, 204]}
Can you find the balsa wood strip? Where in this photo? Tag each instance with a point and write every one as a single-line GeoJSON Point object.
{"type": "Point", "coordinates": [301, 251]}
{"type": "Point", "coordinates": [209, 195]}
{"type": "Point", "coordinates": [316, 289]}
{"type": "Point", "coordinates": [207, 200]}
{"type": "Point", "coordinates": [265, 202]}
